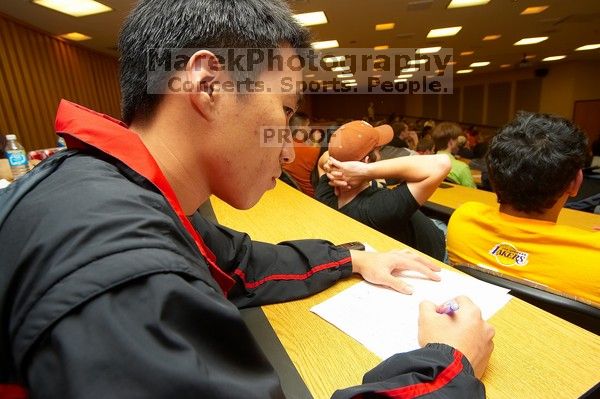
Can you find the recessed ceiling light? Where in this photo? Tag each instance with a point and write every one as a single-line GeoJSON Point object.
{"type": "Point", "coordinates": [428, 50]}
{"type": "Point", "coordinates": [75, 36]}
{"type": "Point", "coordinates": [588, 47]}
{"type": "Point", "coordinates": [351, 84]}
{"type": "Point", "coordinates": [341, 69]}
{"type": "Point", "coordinates": [466, 3]}
{"type": "Point", "coordinates": [325, 44]}
{"type": "Point", "coordinates": [479, 64]}
{"type": "Point", "coordinates": [464, 53]}
{"type": "Point", "coordinates": [349, 81]}
{"type": "Point", "coordinates": [443, 32]}
{"type": "Point", "coordinates": [409, 70]}
{"type": "Point", "coordinates": [311, 18]}
{"type": "Point", "coordinates": [530, 40]}
{"type": "Point", "coordinates": [386, 26]}
{"type": "Point", "coordinates": [345, 75]}
{"type": "Point", "coordinates": [331, 60]}
{"type": "Point", "coordinates": [554, 58]}
{"type": "Point", "coordinates": [505, 66]}
{"type": "Point", "coordinates": [383, 47]}
{"type": "Point", "coordinates": [405, 76]}
{"type": "Point", "coordinates": [491, 37]}
{"type": "Point", "coordinates": [463, 71]}
{"type": "Point", "coordinates": [530, 56]}
{"type": "Point", "coordinates": [74, 8]}
{"type": "Point", "coordinates": [376, 76]}
{"type": "Point", "coordinates": [534, 10]}
{"type": "Point", "coordinates": [399, 80]}
{"type": "Point", "coordinates": [418, 62]}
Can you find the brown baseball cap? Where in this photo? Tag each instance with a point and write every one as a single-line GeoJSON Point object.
{"type": "Point", "coordinates": [355, 140]}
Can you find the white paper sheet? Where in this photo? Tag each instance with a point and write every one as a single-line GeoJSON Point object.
{"type": "Point", "coordinates": [385, 321]}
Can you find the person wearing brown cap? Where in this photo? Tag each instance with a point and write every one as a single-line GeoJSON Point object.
{"type": "Point", "coordinates": [352, 162]}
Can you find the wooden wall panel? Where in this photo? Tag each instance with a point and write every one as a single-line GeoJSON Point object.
{"type": "Point", "coordinates": [431, 106]}
{"type": "Point", "coordinates": [37, 70]}
{"type": "Point", "coordinates": [498, 105]}
{"type": "Point", "coordinates": [473, 104]}
{"type": "Point", "coordinates": [451, 105]}
{"type": "Point", "coordinates": [528, 94]}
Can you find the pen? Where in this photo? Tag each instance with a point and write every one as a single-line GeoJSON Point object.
{"type": "Point", "coordinates": [448, 307]}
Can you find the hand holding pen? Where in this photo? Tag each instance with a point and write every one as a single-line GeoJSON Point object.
{"type": "Point", "coordinates": [448, 307]}
{"type": "Point", "coordinates": [465, 330]}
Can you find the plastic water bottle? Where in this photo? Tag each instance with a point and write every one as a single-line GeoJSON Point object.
{"type": "Point", "coordinates": [17, 157]}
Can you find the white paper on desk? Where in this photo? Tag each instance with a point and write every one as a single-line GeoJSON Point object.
{"type": "Point", "coordinates": [385, 321]}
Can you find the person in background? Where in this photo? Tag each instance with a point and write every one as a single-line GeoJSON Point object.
{"type": "Point", "coordinates": [463, 148]}
{"type": "Point", "coordinates": [352, 163]}
{"type": "Point", "coordinates": [426, 146]}
{"type": "Point", "coordinates": [112, 285]}
{"type": "Point", "coordinates": [307, 145]}
{"type": "Point", "coordinates": [445, 137]}
{"type": "Point", "coordinates": [371, 112]}
{"type": "Point", "coordinates": [535, 164]}
{"type": "Point", "coordinates": [403, 136]}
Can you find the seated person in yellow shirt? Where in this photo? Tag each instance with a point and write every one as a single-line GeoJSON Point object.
{"type": "Point", "coordinates": [535, 164]}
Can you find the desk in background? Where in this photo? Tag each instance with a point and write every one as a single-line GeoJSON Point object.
{"type": "Point", "coordinates": [448, 197]}
{"type": "Point", "coordinates": [537, 355]}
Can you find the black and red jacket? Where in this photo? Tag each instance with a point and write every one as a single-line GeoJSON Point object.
{"type": "Point", "coordinates": [107, 290]}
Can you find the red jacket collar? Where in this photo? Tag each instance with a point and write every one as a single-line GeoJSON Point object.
{"type": "Point", "coordinates": [81, 128]}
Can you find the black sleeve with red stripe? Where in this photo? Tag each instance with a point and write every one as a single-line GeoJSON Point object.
{"type": "Point", "coordinates": [267, 273]}
{"type": "Point", "coordinates": [434, 372]}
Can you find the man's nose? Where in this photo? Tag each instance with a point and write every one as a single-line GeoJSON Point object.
{"type": "Point", "coordinates": [287, 154]}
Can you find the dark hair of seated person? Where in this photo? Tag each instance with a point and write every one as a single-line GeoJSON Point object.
{"type": "Point", "coordinates": [532, 160]}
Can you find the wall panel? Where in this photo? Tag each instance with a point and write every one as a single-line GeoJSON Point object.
{"type": "Point", "coordinates": [37, 70]}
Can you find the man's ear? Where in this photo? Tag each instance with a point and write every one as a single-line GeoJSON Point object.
{"type": "Point", "coordinates": [575, 184]}
{"type": "Point", "coordinates": [202, 69]}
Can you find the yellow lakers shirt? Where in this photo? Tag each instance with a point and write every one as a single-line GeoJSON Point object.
{"type": "Point", "coordinates": [564, 258]}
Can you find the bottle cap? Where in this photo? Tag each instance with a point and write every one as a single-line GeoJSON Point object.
{"type": "Point", "coordinates": [11, 137]}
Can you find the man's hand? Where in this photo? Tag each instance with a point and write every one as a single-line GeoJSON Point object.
{"type": "Point", "coordinates": [463, 329]}
{"type": "Point", "coordinates": [386, 268]}
{"type": "Point", "coordinates": [346, 174]}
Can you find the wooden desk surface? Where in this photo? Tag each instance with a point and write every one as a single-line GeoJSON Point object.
{"type": "Point", "coordinates": [454, 196]}
{"type": "Point", "coordinates": [537, 355]}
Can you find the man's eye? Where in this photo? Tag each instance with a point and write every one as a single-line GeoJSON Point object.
{"type": "Point", "coordinates": [288, 111]}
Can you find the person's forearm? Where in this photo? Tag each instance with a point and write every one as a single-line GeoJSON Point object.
{"type": "Point", "coordinates": [410, 169]}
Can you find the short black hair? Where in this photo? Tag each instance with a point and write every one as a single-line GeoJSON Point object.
{"type": "Point", "coordinates": [180, 24]}
{"type": "Point", "coordinates": [532, 160]}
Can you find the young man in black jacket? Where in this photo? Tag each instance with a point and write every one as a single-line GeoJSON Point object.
{"type": "Point", "coordinates": [112, 285]}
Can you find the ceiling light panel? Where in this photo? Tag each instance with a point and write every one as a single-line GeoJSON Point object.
{"type": "Point", "coordinates": [386, 26]}
{"type": "Point", "coordinates": [311, 18]}
{"type": "Point", "coordinates": [75, 36]}
{"type": "Point", "coordinates": [444, 32]}
{"type": "Point", "coordinates": [325, 44]}
{"type": "Point", "coordinates": [467, 3]}
{"type": "Point", "coordinates": [534, 10]}
{"type": "Point", "coordinates": [588, 47]}
{"type": "Point", "coordinates": [531, 40]}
